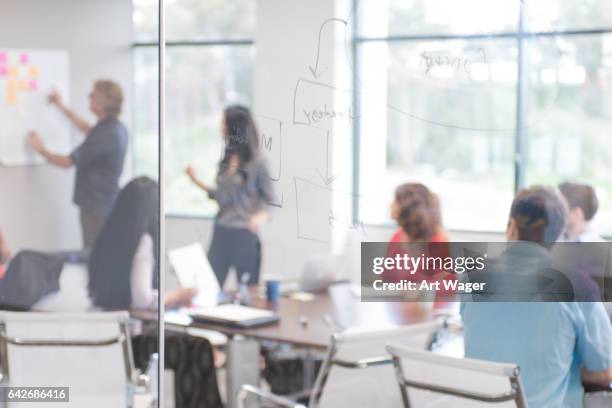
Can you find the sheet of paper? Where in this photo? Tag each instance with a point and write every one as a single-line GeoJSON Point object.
{"type": "Point", "coordinates": [302, 296]}
{"type": "Point", "coordinates": [193, 270]}
{"type": "Point", "coordinates": [178, 317]}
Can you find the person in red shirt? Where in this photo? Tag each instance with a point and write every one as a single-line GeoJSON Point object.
{"type": "Point", "coordinates": [417, 211]}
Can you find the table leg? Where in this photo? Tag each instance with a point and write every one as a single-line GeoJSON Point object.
{"type": "Point", "coordinates": [242, 367]}
{"type": "Point", "coordinates": [308, 369]}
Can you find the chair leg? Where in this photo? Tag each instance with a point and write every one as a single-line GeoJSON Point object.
{"type": "Point", "coordinates": [317, 389]}
{"type": "Point", "coordinates": [400, 375]}
{"type": "Point", "coordinates": [242, 367]}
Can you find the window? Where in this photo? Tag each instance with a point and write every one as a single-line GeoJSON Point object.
{"type": "Point", "coordinates": [209, 64]}
{"type": "Point", "coordinates": [480, 98]}
{"type": "Point", "coordinates": [145, 114]}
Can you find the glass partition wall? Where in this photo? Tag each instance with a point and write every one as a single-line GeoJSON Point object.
{"type": "Point", "coordinates": [79, 218]}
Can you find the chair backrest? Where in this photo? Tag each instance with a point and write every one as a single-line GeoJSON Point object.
{"type": "Point", "coordinates": [427, 379]}
{"type": "Point", "coordinates": [358, 370]}
{"type": "Point", "coordinates": [88, 352]}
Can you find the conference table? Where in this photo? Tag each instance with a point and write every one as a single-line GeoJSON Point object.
{"type": "Point", "coordinates": [307, 324]}
{"type": "Point", "coordinates": [310, 323]}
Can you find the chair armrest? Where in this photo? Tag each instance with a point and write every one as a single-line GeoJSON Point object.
{"type": "Point", "coordinates": [363, 363]}
{"type": "Point", "coordinates": [141, 383]}
{"type": "Point", "coordinates": [141, 380]}
{"type": "Point", "coordinates": [247, 389]}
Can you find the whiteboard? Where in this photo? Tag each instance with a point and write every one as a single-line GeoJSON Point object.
{"type": "Point", "coordinates": [26, 79]}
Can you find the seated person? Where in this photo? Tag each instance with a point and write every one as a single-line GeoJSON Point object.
{"type": "Point", "coordinates": [583, 204]}
{"type": "Point", "coordinates": [553, 343]}
{"type": "Point", "coordinates": [123, 262]}
{"type": "Point", "coordinates": [417, 211]}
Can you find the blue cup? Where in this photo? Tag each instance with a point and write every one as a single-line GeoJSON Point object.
{"type": "Point", "coordinates": [273, 290]}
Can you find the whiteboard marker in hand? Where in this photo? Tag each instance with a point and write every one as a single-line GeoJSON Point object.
{"type": "Point", "coordinates": [35, 142]}
{"type": "Point", "coordinates": [55, 98]}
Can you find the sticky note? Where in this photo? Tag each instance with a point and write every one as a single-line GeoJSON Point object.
{"type": "Point", "coordinates": [3, 57]}
{"type": "Point", "coordinates": [24, 58]}
{"type": "Point", "coordinates": [33, 72]}
{"type": "Point", "coordinates": [13, 71]}
{"type": "Point", "coordinates": [3, 70]}
{"type": "Point", "coordinates": [22, 85]}
{"type": "Point", "coordinates": [10, 84]}
{"type": "Point", "coordinates": [33, 85]}
{"type": "Point", "coordinates": [11, 96]}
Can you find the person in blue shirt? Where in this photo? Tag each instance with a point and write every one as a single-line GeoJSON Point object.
{"type": "Point", "coordinates": [557, 345]}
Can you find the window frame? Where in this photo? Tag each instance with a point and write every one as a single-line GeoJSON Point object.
{"type": "Point", "coordinates": [237, 42]}
{"type": "Point", "coordinates": [521, 137]}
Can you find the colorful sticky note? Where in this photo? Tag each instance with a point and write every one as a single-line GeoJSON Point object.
{"type": "Point", "coordinates": [3, 57]}
{"type": "Point", "coordinates": [13, 71]}
{"type": "Point", "coordinates": [24, 58]}
{"type": "Point", "coordinates": [33, 85]}
{"type": "Point", "coordinates": [3, 70]}
{"type": "Point", "coordinates": [11, 94]}
{"type": "Point", "coordinates": [22, 85]}
{"type": "Point", "coordinates": [10, 84]}
{"type": "Point", "coordinates": [33, 72]}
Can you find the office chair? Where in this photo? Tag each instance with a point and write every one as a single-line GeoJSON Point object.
{"type": "Point", "coordinates": [90, 353]}
{"type": "Point", "coordinates": [357, 370]}
{"type": "Point", "coordinates": [441, 381]}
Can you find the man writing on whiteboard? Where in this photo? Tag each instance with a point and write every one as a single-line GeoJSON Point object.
{"type": "Point", "coordinates": [98, 160]}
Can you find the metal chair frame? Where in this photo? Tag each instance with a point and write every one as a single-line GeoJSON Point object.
{"type": "Point", "coordinates": [329, 362]}
{"type": "Point", "coordinates": [134, 377]}
{"type": "Point", "coordinates": [511, 371]}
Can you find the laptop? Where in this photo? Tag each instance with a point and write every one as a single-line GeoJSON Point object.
{"type": "Point", "coordinates": [319, 273]}
{"type": "Point", "coordinates": [234, 315]}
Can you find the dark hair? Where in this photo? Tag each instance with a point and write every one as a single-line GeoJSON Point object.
{"type": "Point", "coordinates": [580, 196]}
{"type": "Point", "coordinates": [540, 214]}
{"type": "Point", "coordinates": [242, 138]}
{"type": "Point", "coordinates": [419, 211]}
{"type": "Point", "coordinates": [135, 213]}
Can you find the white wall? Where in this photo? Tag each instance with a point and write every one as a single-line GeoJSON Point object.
{"type": "Point", "coordinates": [286, 44]}
{"type": "Point", "coordinates": [36, 209]}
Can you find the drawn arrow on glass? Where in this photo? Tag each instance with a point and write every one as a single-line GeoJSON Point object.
{"type": "Point", "coordinates": [277, 203]}
{"type": "Point", "coordinates": [327, 179]}
{"type": "Point", "coordinates": [315, 71]}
